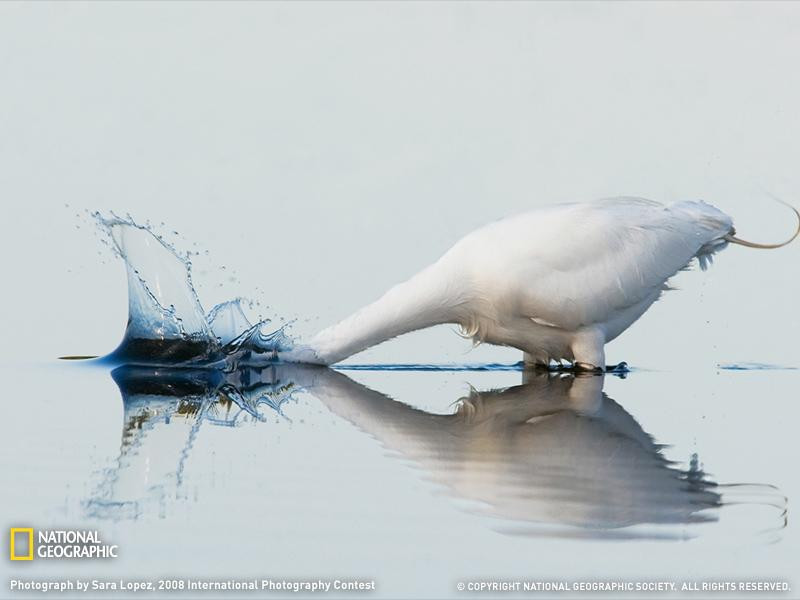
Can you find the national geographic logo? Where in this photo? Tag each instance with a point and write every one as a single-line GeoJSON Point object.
{"type": "Point", "coordinates": [25, 543]}
{"type": "Point", "coordinates": [20, 543]}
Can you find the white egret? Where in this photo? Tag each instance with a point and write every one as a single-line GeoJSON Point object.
{"type": "Point", "coordinates": [557, 282]}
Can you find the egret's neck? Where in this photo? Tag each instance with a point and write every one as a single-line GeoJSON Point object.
{"type": "Point", "coordinates": [429, 298]}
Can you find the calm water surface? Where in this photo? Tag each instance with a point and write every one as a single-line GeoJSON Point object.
{"type": "Point", "coordinates": [415, 479]}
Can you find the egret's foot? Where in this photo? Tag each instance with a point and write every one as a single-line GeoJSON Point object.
{"type": "Point", "coordinates": [579, 367]}
{"type": "Point", "coordinates": [573, 368]}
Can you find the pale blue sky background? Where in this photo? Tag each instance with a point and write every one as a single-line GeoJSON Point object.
{"type": "Point", "coordinates": [323, 152]}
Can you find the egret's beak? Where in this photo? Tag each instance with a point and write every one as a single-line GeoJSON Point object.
{"type": "Point", "coordinates": [734, 240]}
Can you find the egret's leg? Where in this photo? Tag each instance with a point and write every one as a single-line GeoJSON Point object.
{"type": "Point", "coordinates": [532, 362]}
{"type": "Point", "coordinates": [588, 349]}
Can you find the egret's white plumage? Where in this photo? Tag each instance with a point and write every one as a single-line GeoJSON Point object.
{"type": "Point", "coordinates": [556, 282]}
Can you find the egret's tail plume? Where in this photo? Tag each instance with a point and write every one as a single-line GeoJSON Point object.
{"type": "Point", "coordinates": [734, 240]}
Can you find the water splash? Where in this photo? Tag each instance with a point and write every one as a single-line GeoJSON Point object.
{"type": "Point", "coordinates": [227, 320]}
{"type": "Point", "coordinates": [166, 320]}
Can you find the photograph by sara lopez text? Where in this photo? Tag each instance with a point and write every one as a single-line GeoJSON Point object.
{"type": "Point", "coordinates": [182, 585]}
{"type": "Point", "coordinates": [277, 586]}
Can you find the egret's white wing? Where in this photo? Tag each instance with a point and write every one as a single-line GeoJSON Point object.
{"type": "Point", "coordinates": [577, 264]}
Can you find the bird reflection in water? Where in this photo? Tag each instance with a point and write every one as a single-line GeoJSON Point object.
{"type": "Point", "coordinates": [553, 456]}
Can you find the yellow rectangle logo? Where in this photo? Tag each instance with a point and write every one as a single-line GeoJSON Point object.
{"type": "Point", "coordinates": [12, 542]}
